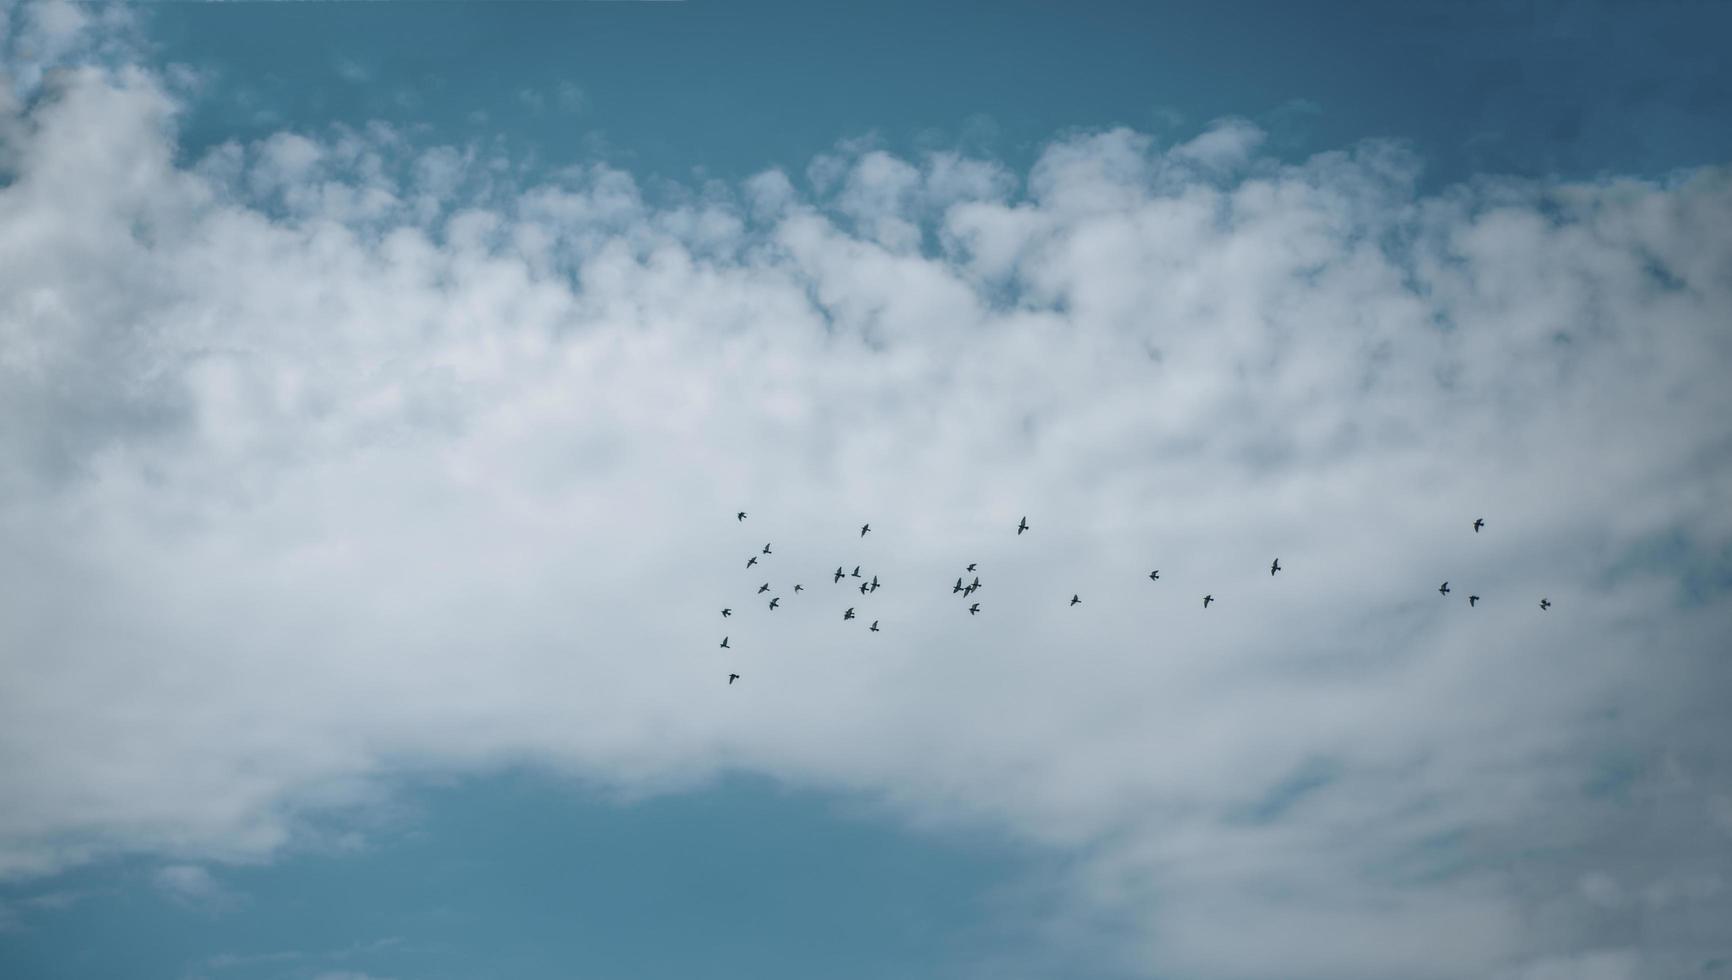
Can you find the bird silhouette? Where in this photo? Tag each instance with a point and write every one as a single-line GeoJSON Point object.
{"type": "Point", "coordinates": [1478, 523]}
{"type": "Point", "coordinates": [863, 588]}
{"type": "Point", "coordinates": [875, 626]}
{"type": "Point", "coordinates": [724, 643]}
{"type": "Point", "coordinates": [726, 613]}
{"type": "Point", "coordinates": [864, 528]}
{"type": "Point", "coordinates": [975, 584]}
{"type": "Point", "coordinates": [874, 583]}
{"type": "Point", "coordinates": [1155, 576]}
{"type": "Point", "coordinates": [740, 516]}
{"type": "Point", "coordinates": [1022, 526]}
{"type": "Point", "coordinates": [1275, 566]}
{"type": "Point", "coordinates": [732, 678]}
{"type": "Point", "coordinates": [849, 614]}
{"type": "Point", "coordinates": [1545, 603]}
{"type": "Point", "coordinates": [966, 592]}
{"type": "Point", "coordinates": [751, 561]}
{"type": "Point", "coordinates": [775, 602]}
{"type": "Point", "coordinates": [799, 588]}
{"type": "Point", "coordinates": [766, 549]}
{"type": "Point", "coordinates": [763, 588]}
{"type": "Point", "coordinates": [970, 567]}
{"type": "Point", "coordinates": [1444, 588]}
{"type": "Point", "coordinates": [856, 571]}
{"type": "Point", "coordinates": [1473, 600]}
{"type": "Point", "coordinates": [1207, 599]}
{"type": "Point", "coordinates": [1074, 600]}
{"type": "Point", "coordinates": [838, 577]}
{"type": "Point", "coordinates": [957, 588]}
{"type": "Point", "coordinates": [974, 609]}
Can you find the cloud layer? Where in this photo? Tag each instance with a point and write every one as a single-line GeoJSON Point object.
{"type": "Point", "coordinates": [332, 457]}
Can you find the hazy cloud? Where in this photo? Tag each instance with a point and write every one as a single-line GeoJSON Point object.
{"type": "Point", "coordinates": [332, 456]}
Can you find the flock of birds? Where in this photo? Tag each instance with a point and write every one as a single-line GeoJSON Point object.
{"type": "Point", "coordinates": [967, 589]}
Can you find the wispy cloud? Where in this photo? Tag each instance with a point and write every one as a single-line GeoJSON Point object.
{"type": "Point", "coordinates": [334, 451]}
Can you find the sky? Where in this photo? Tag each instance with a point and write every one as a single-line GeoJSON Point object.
{"type": "Point", "coordinates": [380, 383]}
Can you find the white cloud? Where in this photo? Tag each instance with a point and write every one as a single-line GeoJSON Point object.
{"type": "Point", "coordinates": [334, 456]}
{"type": "Point", "coordinates": [193, 886]}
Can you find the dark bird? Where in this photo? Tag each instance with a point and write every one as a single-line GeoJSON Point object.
{"type": "Point", "coordinates": [856, 571]}
{"type": "Point", "coordinates": [726, 613]}
{"type": "Point", "coordinates": [975, 584]}
{"type": "Point", "coordinates": [799, 588]}
{"type": "Point", "coordinates": [763, 588]}
{"type": "Point", "coordinates": [974, 609]}
{"type": "Point", "coordinates": [1444, 588]}
{"type": "Point", "coordinates": [1545, 603]}
{"type": "Point", "coordinates": [1021, 527]}
{"type": "Point", "coordinates": [864, 528]}
{"type": "Point", "coordinates": [740, 516]}
{"type": "Point", "coordinates": [968, 591]}
{"type": "Point", "coordinates": [724, 643]}
{"type": "Point", "coordinates": [875, 626]}
{"type": "Point", "coordinates": [1275, 566]}
{"type": "Point", "coordinates": [732, 678]}
{"type": "Point", "coordinates": [838, 577]}
{"type": "Point", "coordinates": [874, 582]}
{"type": "Point", "coordinates": [774, 601]}
{"type": "Point", "coordinates": [1478, 523]}
{"type": "Point", "coordinates": [1207, 599]}
{"type": "Point", "coordinates": [751, 561]}
{"type": "Point", "coordinates": [766, 549]}
{"type": "Point", "coordinates": [849, 614]}
{"type": "Point", "coordinates": [957, 588]}
{"type": "Point", "coordinates": [1074, 600]}
{"type": "Point", "coordinates": [1155, 576]}
{"type": "Point", "coordinates": [1473, 600]}
{"type": "Point", "coordinates": [863, 588]}
{"type": "Point", "coordinates": [970, 567]}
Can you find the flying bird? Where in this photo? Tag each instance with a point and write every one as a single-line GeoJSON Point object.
{"type": "Point", "coordinates": [1207, 599]}
{"type": "Point", "coordinates": [724, 643]}
{"type": "Point", "coordinates": [732, 678]}
{"type": "Point", "coordinates": [856, 571]}
{"type": "Point", "coordinates": [970, 567]}
{"type": "Point", "coordinates": [974, 609]}
{"type": "Point", "coordinates": [1545, 603]}
{"type": "Point", "coordinates": [976, 583]}
{"type": "Point", "coordinates": [799, 588]}
{"type": "Point", "coordinates": [1275, 566]}
{"type": "Point", "coordinates": [1155, 576]}
{"type": "Point", "coordinates": [1074, 600]}
{"type": "Point", "coordinates": [1444, 588]}
{"type": "Point", "coordinates": [849, 614]}
{"type": "Point", "coordinates": [751, 561]}
{"type": "Point", "coordinates": [1473, 600]}
{"type": "Point", "coordinates": [775, 601]}
{"type": "Point", "coordinates": [875, 626]}
{"type": "Point", "coordinates": [766, 549]}
{"type": "Point", "coordinates": [1023, 526]}
{"type": "Point", "coordinates": [864, 528]}
{"type": "Point", "coordinates": [726, 613]}
{"type": "Point", "coordinates": [863, 588]}
{"type": "Point", "coordinates": [838, 577]}
{"type": "Point", "coordinates": [1478, 523]}
{"type": "Point", "coordinates": [763, 588]}
{"type": "Point", "coordinates": [874, 581]}
{"type": "Point", "coordinates": [740, 516]}
{"type": "Point", "coordinates": [957, 588]}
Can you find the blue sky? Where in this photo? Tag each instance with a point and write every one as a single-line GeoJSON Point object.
{"type": "Point", "coordinates": [378, 384]}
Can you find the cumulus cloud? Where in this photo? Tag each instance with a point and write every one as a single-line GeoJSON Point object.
{"type": "Point", "coordinates": [332, 456]}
